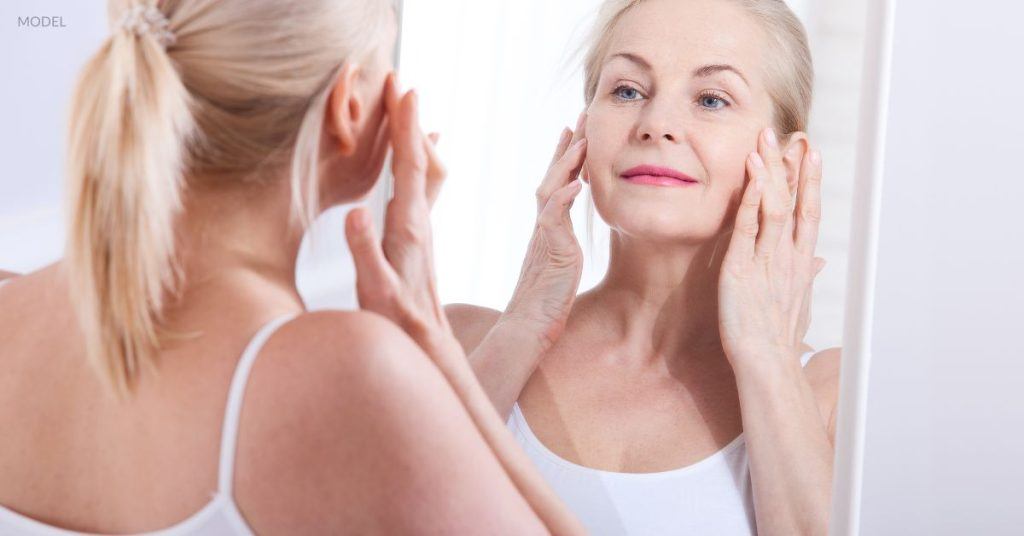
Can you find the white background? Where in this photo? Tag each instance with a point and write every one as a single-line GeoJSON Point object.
{"type": "Point", "coordinates": [944, 452]}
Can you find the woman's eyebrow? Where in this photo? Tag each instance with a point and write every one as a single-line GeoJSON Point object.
{"type": "Point", "coordinates": [629, 56]}
{"type": "Point", "coordinates": [708, 70]}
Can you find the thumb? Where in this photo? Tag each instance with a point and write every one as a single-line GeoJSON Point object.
{"type": "Point", "coordinates": [372, 268]}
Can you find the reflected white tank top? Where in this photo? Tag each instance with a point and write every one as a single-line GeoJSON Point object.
{"type": "Point", "coordinates": [710, 497]}
{"type": "Point", "coordinates": [220, 516]}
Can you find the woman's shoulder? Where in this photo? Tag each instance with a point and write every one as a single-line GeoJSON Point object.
{"type": "Point", "coordinates": [32, 298]}
{"type": "Point", "coordinates": [822, 373]}
{"type": "Point", "coordinates": [346, 417]}
{"type": "Point", "coordinates": [345, 347]}
{"type": "Point", "coordinates": [470, 323]}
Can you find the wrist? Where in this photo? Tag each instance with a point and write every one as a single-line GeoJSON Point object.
{"type": "Point", "coordinates": [515, 331]}
{"type": "Point", "coordinates": [767, 370]}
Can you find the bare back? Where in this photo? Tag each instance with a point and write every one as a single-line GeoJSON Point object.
{"type": "Point", "coordinates": [334, 430]}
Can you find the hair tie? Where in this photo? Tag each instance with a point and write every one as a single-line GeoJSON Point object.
{"type": "Point", "coordinates": [147, 19]}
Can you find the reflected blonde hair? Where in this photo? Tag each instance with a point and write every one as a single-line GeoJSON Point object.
{"type": "Point", "coordinates": [789, 70]}
{"type": "Point", "coordinates": [238, 96]}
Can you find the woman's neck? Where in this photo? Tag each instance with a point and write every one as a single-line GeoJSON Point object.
{"type": "Point", "coordinates": [664, 298]}
{"type": "Point", "coordinates": [240, 231]}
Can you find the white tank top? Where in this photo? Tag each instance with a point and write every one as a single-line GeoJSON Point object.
{"type": "Point", "coordinates": [220, 516]}
{"type": "Point", "coordinates": [712, 496]}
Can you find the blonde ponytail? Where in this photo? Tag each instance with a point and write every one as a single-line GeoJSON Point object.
{"type": "Point", "coordinates": [129, 127]}
{"type": "Point", "coordinates": [236, 98]}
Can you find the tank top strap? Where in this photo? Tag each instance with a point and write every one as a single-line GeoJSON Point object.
{"type": "Point", "coordinates": [236, 393]}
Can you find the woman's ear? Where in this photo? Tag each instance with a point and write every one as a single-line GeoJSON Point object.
{"type": "Point", "coordinates": [345, 110]}
{"type": "Point", "coordinates": [793, 157]}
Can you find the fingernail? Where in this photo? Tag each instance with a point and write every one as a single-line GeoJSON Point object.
{"type": "Point", "coordinates": [769, 136]}
{"type": "Point", "coordinates": [815, 157]}
{"type": "Point", "coordinates": [580, 143]}
{"type": "Point", "coordinates": [566, 132]}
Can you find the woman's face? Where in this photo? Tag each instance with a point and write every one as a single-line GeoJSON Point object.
{"type": "Point", "coordinates": [681, 87]}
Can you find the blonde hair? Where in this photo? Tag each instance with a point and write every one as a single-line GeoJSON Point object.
{"type": "Point", "coordinates": [239, 94]}
{"type": "Point", "coordinates": [789, 70]}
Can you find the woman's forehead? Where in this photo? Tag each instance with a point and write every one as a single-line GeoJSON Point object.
{"type": "Point", "coordinates": [678, 36]}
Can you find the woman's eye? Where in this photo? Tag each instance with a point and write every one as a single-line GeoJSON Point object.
{"type": "Point", "coordinates": [626, 93]}
{"type": "Point", "coordinates": [712, 102]}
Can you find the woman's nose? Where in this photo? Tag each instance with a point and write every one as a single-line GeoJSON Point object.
{"type": "Point", "coordinates": [659, 124]}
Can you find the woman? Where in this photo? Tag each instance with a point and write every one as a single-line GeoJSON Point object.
{"type": "Point", "coordinates": [203, 135]}
{"type": "Point", "coordinates": [670, 399]}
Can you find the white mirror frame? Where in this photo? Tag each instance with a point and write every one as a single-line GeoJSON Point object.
{"type": "Point", "coordinates": [860, 286]}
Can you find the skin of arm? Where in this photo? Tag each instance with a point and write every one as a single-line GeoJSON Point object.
{"type": "Point", "coordinates": [789, 421]}
{"type": "Point", "coordinates": [503, 356]}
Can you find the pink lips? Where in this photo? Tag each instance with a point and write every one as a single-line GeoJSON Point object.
{"type": "Point", "coordinates": [658, 176]}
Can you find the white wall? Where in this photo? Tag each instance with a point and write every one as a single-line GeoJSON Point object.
{"type": "Point", "coordinates": [944, 450]}
{"type": "Point", "coordinates": [38, 66]}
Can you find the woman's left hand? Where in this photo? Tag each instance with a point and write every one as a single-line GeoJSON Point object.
{"type": "Point", "coordinates": [769, 269]}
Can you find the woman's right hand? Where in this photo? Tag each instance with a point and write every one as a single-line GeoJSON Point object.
{"type": "Point", "coordinates": [395, 273]}
{"type": "Point", "coordinates": [553, 266]}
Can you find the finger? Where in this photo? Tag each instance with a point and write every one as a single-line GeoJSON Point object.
{"type": "Point", "coordinates": [409, 162]}
{"type": "Point", "coordinates": [768, 147]}
{"type": "Point", "coordinates": [554, 218]}
{"type": "Point", "coordinates": [564, 140]}
{"type": "Point", "coordinates": [391, 94]}
{"type": "Point", "coordinates": [562, 172]}
{"type": "Point", "coordinates": [374, 276]}
{"type": "Point", "coordinates": [745, 230]}
{"type": "Point", "coordinates": [434, 137]}
{"type": "Point", "coordinates": [552, 182]}
{"type": "Point", "coordinates": [809, 204]}
{"type": "Point", "coordinates": [579, 132]}
{"type": "Point", "coordinates": [775, 208]}
{"type": "Point", "coordinates": [436, 172]}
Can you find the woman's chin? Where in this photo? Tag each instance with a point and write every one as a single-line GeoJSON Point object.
{"type": "Point", "coordinates": [665, 231]}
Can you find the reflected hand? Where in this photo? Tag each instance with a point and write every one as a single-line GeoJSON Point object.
{"type": "Point", "coordinates": [769, 269]}
{"type": "Point", "coordinates": [553, 266]}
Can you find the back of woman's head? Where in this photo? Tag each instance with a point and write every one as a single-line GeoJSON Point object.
{"type": "Point", "coordinates": [185, 91]}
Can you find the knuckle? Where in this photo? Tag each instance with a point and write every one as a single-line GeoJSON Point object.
{"type": "Point", "coordinates": [409, 232]}
{"type": "Point", "coordinates": [776, 216]}
{"type": "Point", "coordinates": [747, 228]}
{"type": "Point", "coordinates": [811, 214]}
